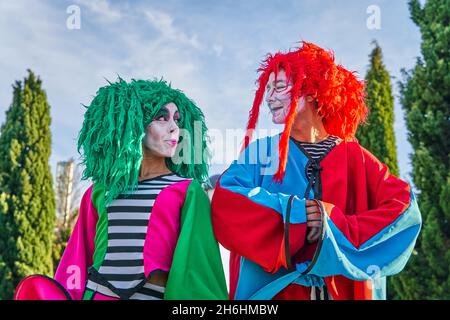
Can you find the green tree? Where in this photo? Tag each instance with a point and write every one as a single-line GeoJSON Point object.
{"type": "Point", "coordinates": [425, 96]}
{"type": "Point", "coordinates": [377, 135]}
{"type": "Point", "coordinates": [27, 204]}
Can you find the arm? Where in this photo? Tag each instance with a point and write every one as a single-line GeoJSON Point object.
{"type": "Point", "coordinates": [196, 271]}
{"type": "Point", "coordinates": [77, 257]}
{"type": "Point", "coordinates": [374, 242]}
{"type": "Point", "coordinates": [264, 227]}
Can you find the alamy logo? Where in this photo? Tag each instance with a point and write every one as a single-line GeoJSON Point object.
{"type": "Point", "coordinates": [73, 21]}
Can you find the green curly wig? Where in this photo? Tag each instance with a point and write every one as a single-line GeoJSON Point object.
{"type": "Point", "coordinates": [110, 141]}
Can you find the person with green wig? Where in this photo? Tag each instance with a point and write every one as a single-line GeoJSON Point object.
{"type": "Point", "coordinates": [144, 227]}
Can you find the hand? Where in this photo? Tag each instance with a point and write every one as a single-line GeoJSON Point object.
{"type": "Point", "coordinates": [313, 221]}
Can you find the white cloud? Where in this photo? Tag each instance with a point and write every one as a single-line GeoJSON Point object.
{"type": "Point", "coordinates": [102, 8]}
{"type": "Point", "coordinates": [164, 23]}
{"type": "Point", "coordinates": [70, 67]}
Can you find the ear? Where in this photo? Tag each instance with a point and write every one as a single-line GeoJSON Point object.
{"type": "Point", "coordinates": [309, 98]}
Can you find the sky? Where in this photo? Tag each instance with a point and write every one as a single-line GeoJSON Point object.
{"type": "Point", "coordinates": [209, 49]}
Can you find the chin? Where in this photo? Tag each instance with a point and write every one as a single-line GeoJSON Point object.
{"type": "Point", "coordinates": [170, 154]}
{"type": "Point", "coordinates": [278, 121]}
{"type": "Point", "coordinates": [164, 153]}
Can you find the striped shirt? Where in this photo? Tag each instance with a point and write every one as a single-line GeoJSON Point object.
{"type": "Point", "coordinates": [121, 274]}
{"type": "Point", "coordinates": [318, 151]}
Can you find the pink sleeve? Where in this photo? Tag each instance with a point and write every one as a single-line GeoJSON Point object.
{"type": "Point", "coordinates": [164, 228]}
{"type": "Point", "coordinates": [77, 258]}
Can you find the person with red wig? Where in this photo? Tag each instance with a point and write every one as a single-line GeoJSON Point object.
{"type": "Point", "coordinates": [309, 213]}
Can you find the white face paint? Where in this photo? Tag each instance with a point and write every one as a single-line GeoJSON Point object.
{"type": "Point", "coordinates": [161, 135]}
{"type": "Point", "coordinates": [278, 97]}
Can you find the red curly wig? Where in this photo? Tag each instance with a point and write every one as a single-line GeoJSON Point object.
{"type": "Point", "coordinates": [338, 93]}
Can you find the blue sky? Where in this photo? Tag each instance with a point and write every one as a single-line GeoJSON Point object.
{"type": "Point", "coordinates": [209, 49]}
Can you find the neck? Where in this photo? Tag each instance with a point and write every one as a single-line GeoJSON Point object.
{"type": "Point", "coordinates": [308, 127]}
{"type": "Point", "coordinates": [152, 166]}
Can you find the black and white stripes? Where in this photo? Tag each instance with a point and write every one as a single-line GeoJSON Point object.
{"type": "Point", "coordinates": [148, 292]}
{"type": "Point", "coordinates": [122, 271]}
{"type": "Point", "coordinates": [317, 151]}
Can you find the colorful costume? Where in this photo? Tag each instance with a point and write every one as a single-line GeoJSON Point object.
{"type": "Point", "coordinates": [370, 219]}
{"type": "Point", "coordinates": [130, 230]}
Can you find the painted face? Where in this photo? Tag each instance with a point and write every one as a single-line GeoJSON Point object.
{"type": "Point", "coordinates": [161, 135]}
{"type": "Point", "coordinates": [278, 97]}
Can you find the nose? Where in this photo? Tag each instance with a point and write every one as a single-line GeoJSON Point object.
{"type": "Point", "coordinates": [269, 96]}
{"type": "Point", "coordinates": [173, 126]}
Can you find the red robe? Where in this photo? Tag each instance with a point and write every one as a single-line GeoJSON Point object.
{"type": "Point", "coordinates": [370, 223]}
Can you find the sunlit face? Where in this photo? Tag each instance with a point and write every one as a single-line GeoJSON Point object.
{"type": "Point", "coordinates": [278, 97]}
{"type": "Point", "coordinates": [161, 135]}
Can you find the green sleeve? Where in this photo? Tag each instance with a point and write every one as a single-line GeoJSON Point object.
{"type": "Point", "coordinates": [196, 272]}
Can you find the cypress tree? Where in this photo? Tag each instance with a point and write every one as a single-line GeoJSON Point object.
{"type": "Point", "coordinates": [425, 97]}
{"type": "Point", "coordinates": [377, 135]}
{"type": "Point", "coordinates": [27, 204]}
